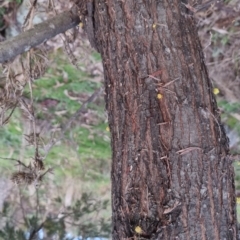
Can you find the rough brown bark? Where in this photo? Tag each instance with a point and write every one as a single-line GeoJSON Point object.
{"type": "Point", "coordinates": [172, 177]}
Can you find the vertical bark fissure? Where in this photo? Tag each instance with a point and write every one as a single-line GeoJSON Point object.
{"type": "Point", "coordinates": [212, 205]}
{"type": "Point", "coordinates": [168, 162]}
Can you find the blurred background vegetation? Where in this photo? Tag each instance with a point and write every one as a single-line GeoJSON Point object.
{"type": "Point", "coordinates": [75, 199]}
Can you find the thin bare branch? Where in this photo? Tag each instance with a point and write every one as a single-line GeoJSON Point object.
{"type": "Point", "coordinates": [35, 231]}
{"type": "Point", "coordinates": [35, 36]}
{"type": "Point", "coordinates": [69, 123]}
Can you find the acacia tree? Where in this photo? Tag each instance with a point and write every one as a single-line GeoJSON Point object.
{"type": "Point", "coordinates": [172, 176]}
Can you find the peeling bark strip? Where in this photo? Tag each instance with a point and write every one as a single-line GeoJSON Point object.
{"type": "Point", "coordinates": [40, 33]}
{"type": "Point", "coordinates": [171, 174]}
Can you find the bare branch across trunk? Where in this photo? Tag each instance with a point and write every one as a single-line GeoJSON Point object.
{"type": "Point", "coordinates": [37, 35]}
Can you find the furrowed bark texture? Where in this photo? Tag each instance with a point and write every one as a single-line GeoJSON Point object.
{"type": "Point", "coordinates": [171, 174]}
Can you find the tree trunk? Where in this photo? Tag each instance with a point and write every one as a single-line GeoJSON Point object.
{"type": "Point", "coordinates": [172, 177]}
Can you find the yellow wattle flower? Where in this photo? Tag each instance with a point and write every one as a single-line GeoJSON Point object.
{"type": "Point", "coordinates": [216, 91]}
{"type": "Point", "coordinates": [81, 24]}
{"type": "Point", "coordinates": [138, 230]}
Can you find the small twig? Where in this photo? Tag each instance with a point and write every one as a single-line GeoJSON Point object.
{"type": "Point", "coordinates": [31, 104]}
{"type": "Point", "coordinates": [189, 149]}
{"type": "Point", "coordinates": [151, 76]}
{"type": "Point", "coordinates": [168, 83]}
{"type": "Point", "coordinates": [202, 7]}
{"type": "Point", "coordinates": [161, 85]}
{"type": "Point", "coordinates": [189, 7]}
{"type": "Point", "coordinates": [22, 208]}
{"type": "Point", "coordinates": [35, 231]}
{"type": "Point", "coordinates": [169, 210]}
{"type": "Point", "coordinates": [9, 116]}
{"type": "Point", "coordinates": [26, 109]}
{"type": "Point", "coordinates": [37, 203]}
{"type": "Point", "coordinates": [209, 43]}
{"type": "Point", "coordinates": [223, 61]}
{"type": "Point", "coordinates": [92, 98]}
{"type": "Point", "coordinates": [18, 161]}
{"type": "Point", "coordinates": [64, 37]}
{"type": "Point", "coordinates": [30, 15]}
{"type": "Point", "coordinates": [167, 90]}
{"type": "Point", "coordinates": [162, 123]}
{"type": "Point", "coordinates": [220, 132]}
